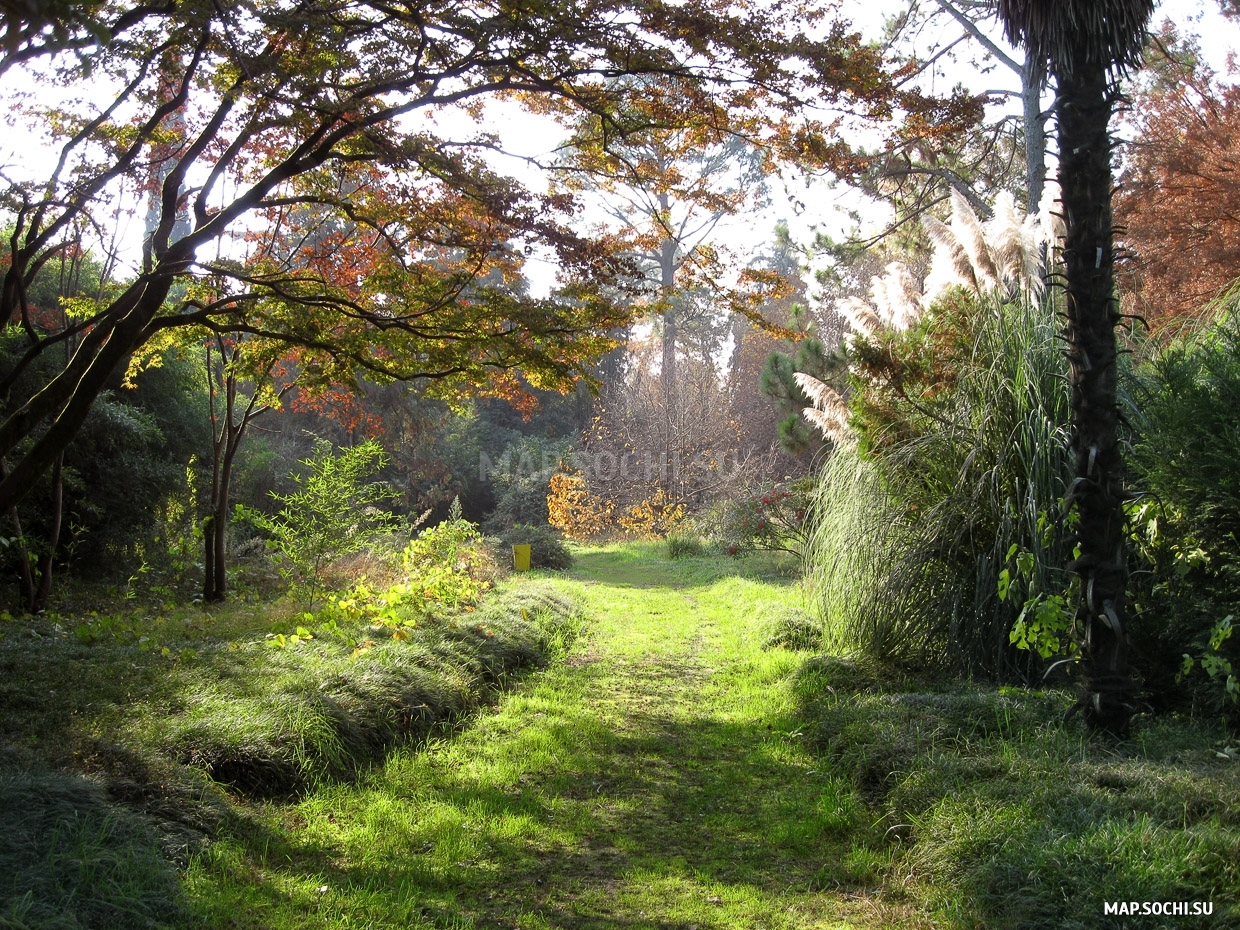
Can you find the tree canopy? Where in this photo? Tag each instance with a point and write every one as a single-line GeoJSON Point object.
{"type": "Point", "coordinates": [299, 189]}
{"type": "Point", "coordinates": [1179, 195]}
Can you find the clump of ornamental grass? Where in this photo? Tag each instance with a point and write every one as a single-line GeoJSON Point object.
{"type": "Point", "coordinates": [70, 859]}
{"type": "Point", "coordinates": [789, 627]}
{"type": "Point", "coordinates": [684, 544]}
{"type": "Point", "coordinates": [935, 528]}
{"type": "Point", "coordinates": [325, 705]}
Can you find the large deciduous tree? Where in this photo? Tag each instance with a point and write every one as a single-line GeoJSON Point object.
{"type": "Point", "coordinates": [251, 116]}
{"type": "Point", "coordinates": [667, 190]}
{"type": "Point", "coordinates": [1087, 45]}
{"type": "Point", "coordinates": [1179, 197]}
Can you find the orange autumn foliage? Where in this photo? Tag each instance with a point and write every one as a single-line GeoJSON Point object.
{"type": "Point", "coordinates": [573, 510]}
{"type": "Point", "coordinates": [1179, 198]}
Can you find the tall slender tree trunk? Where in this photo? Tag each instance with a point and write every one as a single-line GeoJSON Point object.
{"type": "Point", "coordinates": [1086, 97]}
{"type": "Point", "coordinates": [667, 372]}
{"type": "Point", "coordinates": [667, 286]}
{"type": "Point", "coordinates": [214, 534]}
{"type": "Point", "coordinates": [43, 594]}
{"type": "Point", "coordinates": [25, 574]}
{"type": "Point", "coordinates": [215, 527]}
{"type": "Point", "coordinates": [228, 426]}
{"type": "Point", "coordinates": [1034, 119]}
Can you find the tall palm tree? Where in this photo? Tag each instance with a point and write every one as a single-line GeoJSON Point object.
{"type": "Point", "coordinates": [1088, 45]}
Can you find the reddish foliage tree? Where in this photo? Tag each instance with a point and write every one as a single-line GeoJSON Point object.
{"type": "Point", "coordinates": [1180, 193]}
{"type": "Point", "coordinates": [252, 116]}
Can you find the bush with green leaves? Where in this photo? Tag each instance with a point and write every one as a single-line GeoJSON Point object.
{"type": "Point", "coordinates": [334, 511]}
{"type": "Point", "coordinates": [519, 478]}
{"type": "Point", "coordinates": [1186, 529]}
{"type": "Point", "coordinates": [773, 518]}
{"type": "Point", "coordinates": [962, 455]}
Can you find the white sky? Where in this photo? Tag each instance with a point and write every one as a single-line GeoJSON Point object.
{"type": "Point", "coordinates": [824, 208]}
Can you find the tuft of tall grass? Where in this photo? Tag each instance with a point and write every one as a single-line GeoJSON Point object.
{"type": "Point", "coordinates": [950, 482]}
{"type": "Point", "coordinates": [994, 813]}
{"type": "Point", "coordinates": [299, 717]}
{"type": "Point", "coordinates": [681, 544]}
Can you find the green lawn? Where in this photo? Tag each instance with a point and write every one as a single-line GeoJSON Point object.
{"type": "Point", "coordinates": [654, 779]}
{"type": "Point", "coordinates": [674, 767]}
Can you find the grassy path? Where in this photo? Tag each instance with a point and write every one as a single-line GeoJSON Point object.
{"type": "Point", "coordinates": [651, 781]}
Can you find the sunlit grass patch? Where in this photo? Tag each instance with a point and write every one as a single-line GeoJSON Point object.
{"type": "Point", "coordinates": [299, 716]}
{"type": "Point", "coordinates": [653, 778]}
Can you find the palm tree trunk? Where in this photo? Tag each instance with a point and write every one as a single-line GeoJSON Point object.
{"type": "Point", "coordinates": [1110, 685]}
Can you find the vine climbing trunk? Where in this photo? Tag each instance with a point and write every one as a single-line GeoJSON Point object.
{"type": "Point", "coordinates": [1086, 99]}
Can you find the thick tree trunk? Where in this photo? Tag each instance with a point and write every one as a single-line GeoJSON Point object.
{"type": "Point", "coordinates": [66, 400]}
{"type": "Point", "coordinates": [1084, 111]}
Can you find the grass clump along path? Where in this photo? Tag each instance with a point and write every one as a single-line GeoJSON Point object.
{"type": "Point", "coordinates": [689, 762]}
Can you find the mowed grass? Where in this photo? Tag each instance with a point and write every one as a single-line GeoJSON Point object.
{"type": "Point", "coordinates": [128, 743]}
{"type": "Point", "coordinates": [688, 760]}
{"type": "Point", "coordinates": [993, 811]}
{"type": "Point", "coordinates": [653, 779]}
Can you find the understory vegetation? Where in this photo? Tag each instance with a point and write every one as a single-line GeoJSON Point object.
{"type": "Point", "coordinates": [941, 535]}
{"type": "Point", "coordinates": [152, 727]}
{"type": "Point", "coordinates": [956, 480]}
{"type": "Point", "coordinates": [692, 756]}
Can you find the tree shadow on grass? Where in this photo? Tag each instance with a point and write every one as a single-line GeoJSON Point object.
{"type": "Point", "coordinates": [663, 820]}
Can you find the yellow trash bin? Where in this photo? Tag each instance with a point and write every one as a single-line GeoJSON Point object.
{"type": "Point", "coordinates": [521, 557]}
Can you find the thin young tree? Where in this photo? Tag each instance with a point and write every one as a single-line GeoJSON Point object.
{"type": "Point", "coordinates": [1088, 45]}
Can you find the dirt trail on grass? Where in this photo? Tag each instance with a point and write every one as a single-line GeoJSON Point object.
{"type": "Point", "coordinates": [656, 774]}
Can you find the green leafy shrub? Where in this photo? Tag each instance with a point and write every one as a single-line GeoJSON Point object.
{"type": "Point", "coordinates": [333, 512]}
{"type": "Point", "coordinates": [444, 568]}
{"type": "Point", "coordinates": [774, 518]}
{"type": "Point", "coordinates": [547, 547]}
{"type": "Point", "coordinates": [519, 479]}
{"type": "Point", "coordinates": [1186, 532]}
